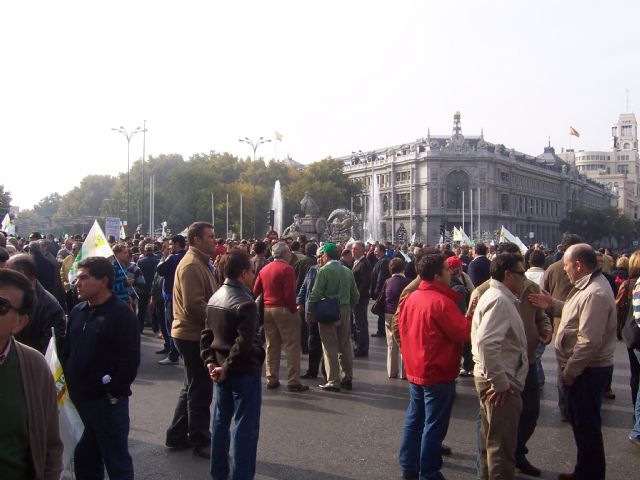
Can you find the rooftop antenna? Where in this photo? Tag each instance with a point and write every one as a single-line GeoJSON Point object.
{"type": "Point", "coordinates": [627, 110]}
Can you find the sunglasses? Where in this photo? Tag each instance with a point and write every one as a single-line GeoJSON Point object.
{"type": "Point", "coordinates": [518, 272]}
{"type": "Point", "coordinates": [6, 307]}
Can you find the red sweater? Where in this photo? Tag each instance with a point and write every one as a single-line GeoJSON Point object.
{"type": "Point", "coordinates": [277, 282]}
{"type": "Point", "coordinates": [432, 331]}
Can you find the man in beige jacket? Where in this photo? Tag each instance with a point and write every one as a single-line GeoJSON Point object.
{"type": "Point", "coordinates": [499, 346]}
{"type": "Point", "coordinates": [193, 287]}
{"type": "Point", "coordinates": [585, 344]}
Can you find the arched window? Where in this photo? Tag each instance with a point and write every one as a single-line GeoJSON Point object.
{"type": "Point", "coordinates": [457, 182]}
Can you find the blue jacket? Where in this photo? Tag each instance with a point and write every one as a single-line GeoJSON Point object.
{"type": "Point", "coordinates": [307, 287]}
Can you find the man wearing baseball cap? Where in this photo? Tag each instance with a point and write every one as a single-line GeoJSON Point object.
{"type": "Point", "coordinates": [335, 336]}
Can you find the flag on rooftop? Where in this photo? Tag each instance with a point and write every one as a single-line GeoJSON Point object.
{"type": "Point", "coordinates": [574, 132]}
{"type": "Point", "coordinates": [95, 245]}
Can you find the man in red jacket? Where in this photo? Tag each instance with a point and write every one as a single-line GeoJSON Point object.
{"type": "Point", "coordinates": [277, 284]}
{"type": "Point", "coordinates": [432, 331]}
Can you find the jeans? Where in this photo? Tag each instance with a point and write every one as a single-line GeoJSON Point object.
{"type": "Point", "coordinates": [168, 318]}
{"type": "Point", "coordinates": [240, 397]}
{"type": "Point", "coordinates": [584, 399]}
{"type": "Point", "coordinates": [361, 325]}
{"type": "Point", "coordinates": [192, 416]}
{"type": "Point", "coordinates": [530, 412]}
{"type": "Point", "coordinates": [425, 426]}
{"type": "Point", "coordinates": [635, 432]}
{"type": "Point", "coordinates": [104, 440]}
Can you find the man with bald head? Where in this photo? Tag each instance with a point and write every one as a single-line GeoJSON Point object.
{"type": "Point", "coordinates": [584, 344]}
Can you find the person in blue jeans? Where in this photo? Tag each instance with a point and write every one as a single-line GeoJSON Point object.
{"type": "Point", "coordinates": [233, 354]}
{"type": "Point", "coordinates": [100, 355]}
{"type": "Point", "coordinates": [432, 331]}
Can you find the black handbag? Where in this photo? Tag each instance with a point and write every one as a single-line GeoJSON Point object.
{"type": "Point", "coordinates": [328, 309]}
{"type": "Point", "coordinates": [378, 306]}
{"type": "Point", "coordinates": [631, 331]}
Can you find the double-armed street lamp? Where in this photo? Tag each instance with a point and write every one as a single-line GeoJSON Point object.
{"type": "Point", "coordinates": [128, 136]}
{"type": "Point", "coordinates": [254, 146]}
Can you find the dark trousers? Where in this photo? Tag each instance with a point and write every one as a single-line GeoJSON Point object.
{"type": "Point", "coordinates": [315, 349]}
{"type": "Point", "coordinates": [192, 415]}
{"type": "Point", "coordinates": [158, 319]}
{"type": "Point", "coordinates": [104, 440]}
{"type": "Point", "coordinates": [467, 357]}
{"type": "Point", "coordinates": [634, 366]}
{"type": "Point", "coordinates": [381, 326]}
{"type": "Point", "coordinates": [361, 337]}
{"type": "Point", "coordinates": [143, 304]}
{"type": "Point", "coordinates": [529, 414]}
{"type": "Point", "coordinates": [584, 399]}
{"type": "Point", "coordinates": [304, 333]}
{"type": "Point", "coordinates": [239, 398]}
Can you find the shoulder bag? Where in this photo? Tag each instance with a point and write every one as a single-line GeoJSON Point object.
{"type": "Point", "coordinates": [328, 309]}
{"type": "Point", "coordinates": [631, 331]}
{"type": "Point", "coordinates": [378, 306]}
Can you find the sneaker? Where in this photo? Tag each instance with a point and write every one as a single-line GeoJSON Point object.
{"type": "Point", "coordinates": [164, 351]}
{"type": "Point", "coordinates": [168, 361]}
{"type": "Point", "coordinates": [466, 373]}
{"type": "Point", "coordinates": [635, 441]}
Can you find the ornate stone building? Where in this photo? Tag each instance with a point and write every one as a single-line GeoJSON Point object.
{"type": "Point", "coordinates": [618, 168]}
{"type": "Point", "coordinates": [456, 180]}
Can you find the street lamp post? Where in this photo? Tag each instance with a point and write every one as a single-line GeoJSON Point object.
{"type": "Point", "coordinates": [128, 136]}
{"type": "Point", "coordinates": [254, 146]}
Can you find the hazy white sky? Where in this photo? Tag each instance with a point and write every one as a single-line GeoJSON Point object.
{"type": "Point", "coordinates": [331, 76]}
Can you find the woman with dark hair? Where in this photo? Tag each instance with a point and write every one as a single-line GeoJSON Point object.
{"type": "Point", "coordinates": [392, 289]}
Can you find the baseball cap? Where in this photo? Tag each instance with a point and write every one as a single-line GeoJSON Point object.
{"type": "Point", "coordinates": [455, 262]}
{"type": "Point", "coordinates": [328, 248]}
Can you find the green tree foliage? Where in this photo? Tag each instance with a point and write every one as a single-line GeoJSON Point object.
{"type": "Point", "coordinates": [326, 183]}
{"type": "Point", "coordinates": [48, 206]}
{"type": "Point", "coordinates": [183, 192]}
{"type": "Point", "coordinates": [5, 201]}
{"type": "Point", "coordinates": [594, 225]}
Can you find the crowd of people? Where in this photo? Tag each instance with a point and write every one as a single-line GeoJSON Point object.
{"type": "Point", "coordinates": [226, 309]}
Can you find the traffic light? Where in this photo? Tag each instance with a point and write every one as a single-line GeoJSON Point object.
{"type": "Point", "coordinates": [271, 219]}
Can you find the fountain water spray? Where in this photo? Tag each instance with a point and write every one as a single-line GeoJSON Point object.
{"type": "Point", "coordinates": [277, 205]}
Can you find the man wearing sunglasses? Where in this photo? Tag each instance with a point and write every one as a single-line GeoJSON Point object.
{"type": "Point", "coordinates": [30, 445]}
{"type": "Point", "coordinates": [499, 346]}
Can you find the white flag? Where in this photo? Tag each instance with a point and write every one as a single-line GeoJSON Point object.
{"type": "Point", "coordinates": [8, 226]}
{"type": "Point", "coordinates": [507, 236]}
{"type": "Point", "coordinates": [70, 424]}
{"type": "Point", "coordinates": [95, 245]}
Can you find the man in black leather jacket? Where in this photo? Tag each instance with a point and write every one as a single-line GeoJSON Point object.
{"type": "Point", "coordinates": [231, 350]}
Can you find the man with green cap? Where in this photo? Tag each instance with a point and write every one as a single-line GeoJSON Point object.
{"type": "Point", "coordinates": [335, 336]}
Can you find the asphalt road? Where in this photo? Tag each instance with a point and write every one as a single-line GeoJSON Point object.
{"type": "Point", "coordinates": [356, 434]}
